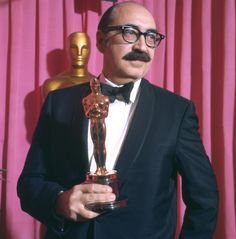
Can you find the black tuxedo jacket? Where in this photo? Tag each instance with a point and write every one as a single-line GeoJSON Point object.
{"type": "Point", "coordinates": [162, 140]}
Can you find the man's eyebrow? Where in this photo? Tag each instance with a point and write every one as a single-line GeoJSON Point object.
{"type": "Point", "coordinates": [152, 30]}
{"type": "Point", "coordinates": [136, 27]}
{"type": "Point", "coordinates": [131, 25]}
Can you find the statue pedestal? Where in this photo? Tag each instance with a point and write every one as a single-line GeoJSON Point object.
{"type": "Point", "coordinates": [111, 180]}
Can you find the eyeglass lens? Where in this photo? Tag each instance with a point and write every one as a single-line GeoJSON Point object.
{"type": "Point", "coordinates": [131, 35]}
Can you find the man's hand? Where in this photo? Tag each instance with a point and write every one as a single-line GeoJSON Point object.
{"type": "Point", "coordinates": [71, 203]}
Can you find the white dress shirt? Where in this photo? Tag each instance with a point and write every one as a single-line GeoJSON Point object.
{"type": "Point", "coordinates": [117, 124]}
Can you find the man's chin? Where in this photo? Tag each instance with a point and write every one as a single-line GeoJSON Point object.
{"type": "Point", "coordinates": [133, 75]}
{"type": "Point", "coordinates": [137, 63]}
{"type": "Point", "coordinates": [136, 70]}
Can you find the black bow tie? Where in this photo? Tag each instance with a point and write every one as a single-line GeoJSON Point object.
{"type": "Point", "coordinates": [120, 93]}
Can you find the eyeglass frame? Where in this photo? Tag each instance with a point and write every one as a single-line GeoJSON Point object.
{"type": "Point", "coordinates": [121, 28]}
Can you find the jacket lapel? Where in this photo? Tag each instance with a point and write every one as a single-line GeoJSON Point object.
{"type": "Point", "coordinates": [137, 131]}
{"type": "Point", "coordinates": [79, 129]}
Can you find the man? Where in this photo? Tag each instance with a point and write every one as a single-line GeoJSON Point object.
{"type": "Point", "coordinates": [150, 138]}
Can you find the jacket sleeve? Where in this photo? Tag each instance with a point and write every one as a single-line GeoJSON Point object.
{"type": "Point", "coordinates": [36, 191]}
{"type": "Point", "coordinates": [199, 187]}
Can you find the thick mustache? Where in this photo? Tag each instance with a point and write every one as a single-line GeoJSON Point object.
{"type": "Point", "coordinates": [137, 55]}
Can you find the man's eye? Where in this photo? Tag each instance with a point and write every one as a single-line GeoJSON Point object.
{"type": "Point", "coordinates": [130, 31]}
{"type": "Point", "coordinates": [152, 36]}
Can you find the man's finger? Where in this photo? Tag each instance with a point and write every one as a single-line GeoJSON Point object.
{"type": "Point", "coordinates": [98, 197]}
{"type": "Point", "coordinates": [93, 188]}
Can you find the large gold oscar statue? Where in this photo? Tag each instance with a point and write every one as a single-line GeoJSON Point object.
{"type": "Point", "coordinates": [78, 49]}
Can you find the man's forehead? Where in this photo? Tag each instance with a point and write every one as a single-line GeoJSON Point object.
{"type": "Point", "coordinates": [137, 25]}
{"type": "Point", "coordinates": [140, 18]}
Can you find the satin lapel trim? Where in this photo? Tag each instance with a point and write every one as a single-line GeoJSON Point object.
{"type": "Point", "coordinates": [137, 132]}
{"type": "Point", "coordinates": [80, 125]}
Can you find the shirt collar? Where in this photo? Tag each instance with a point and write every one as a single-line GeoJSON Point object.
{"type": "Point", "coordinates": [134, 91]}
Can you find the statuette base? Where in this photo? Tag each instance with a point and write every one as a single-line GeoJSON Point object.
{"type": "Point", "coordinates": [111, 180]}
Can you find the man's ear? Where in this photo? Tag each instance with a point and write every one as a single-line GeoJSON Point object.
{"type": "Point", "coordinates": [101, 41]}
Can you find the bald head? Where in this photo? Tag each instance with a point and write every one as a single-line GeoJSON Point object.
{"type": "Point", "coordinates": [125, 8]}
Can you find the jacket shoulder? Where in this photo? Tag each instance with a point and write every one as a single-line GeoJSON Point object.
{"type": "Point", "coordinates": [166, 96]}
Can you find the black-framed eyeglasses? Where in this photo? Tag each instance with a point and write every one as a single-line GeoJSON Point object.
{"type": "Point", "coordinates": [131, 34]}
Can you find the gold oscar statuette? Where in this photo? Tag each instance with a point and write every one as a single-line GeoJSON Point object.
{"type": "Point", "coordinates": [96, 107]}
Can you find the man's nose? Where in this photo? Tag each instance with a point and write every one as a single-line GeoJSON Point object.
{"type": "Point", "coordinates": [140, 44]}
